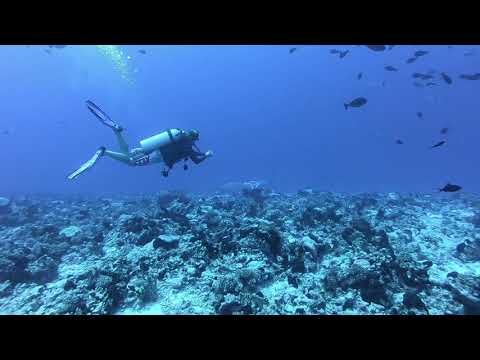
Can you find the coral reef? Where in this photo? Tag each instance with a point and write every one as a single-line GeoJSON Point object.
{"type": "Point", "coordinates": [253, 251]}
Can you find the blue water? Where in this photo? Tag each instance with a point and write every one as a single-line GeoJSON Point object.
{"type": "Point", "coordinates": [266, 114]}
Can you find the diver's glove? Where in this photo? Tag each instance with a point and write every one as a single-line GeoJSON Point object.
{"type": "Point", "coordinates": [209, 153]}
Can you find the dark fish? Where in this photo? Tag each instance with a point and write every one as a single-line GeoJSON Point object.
{"type": "Point", "coordinates": [390, 47]}
{"type": "Point", "coordinates": [48, 51]}
{"type": "Point", "coordinates": [469, 53]}
{"type": "Point", "coordinates": [444, 131]}
{"type": "Point", "coordinates": [358, 102]}
{"type": "Point", "coordinates": [450, 188]}
{"type": "Point", "coordinates": [470, 77]}
{"type": "Point", "coordinates": [359, 76]}
{"type": "Point", "coordinates": [58, 46]}
{"type": "Point", "coordinates": [420, 114]}
{"type": "Point", "coordinates": [431, 84]}
{"type": "Point", "coordinates": [341, 54]}
{"type": "Point", "coordinates": [292, 50]}
{"type": "Point", "coordinates": [411, 60]}
{"type": "Point", "coordinates": [383, 83]}
{"type": "Point", "coordinates": [422, 76]}
{"type": "Point", "coordinates": [141, 51]}
{"type": "Point", "coordinates": [450, 46]}
{"type": "Point", "coordinates": [446, 78]}
{"type": "Point", "coordinates": [420, 53]}
{"type": "Point", "coordinates": [399, 142]}
{"type": "Point", "coordinates": [376, 47]}
{"type": "Point", "coordinates": [440, 143]}
{"type": "Point", "coordinates": [4, 132]}
{"type": "Point", "coordinates": [390, 68]}
{"type": "Point", "coordinates": [417, 84]}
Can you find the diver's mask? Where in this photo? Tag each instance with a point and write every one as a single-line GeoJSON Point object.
{"type": "Point", "coordinates": [194, 134]}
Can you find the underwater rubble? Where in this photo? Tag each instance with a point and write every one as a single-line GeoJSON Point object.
{"type": "Point", "coordinates": [255, 251]}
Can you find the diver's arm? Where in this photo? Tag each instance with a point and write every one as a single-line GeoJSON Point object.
{"type": "Point", "coordinates": [197, 157]}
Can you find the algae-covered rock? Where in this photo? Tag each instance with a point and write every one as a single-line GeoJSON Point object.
{"type": "Point", "coordinates": [43, 270]}
{"type": "Point", "coordinates": [5, 207]}
{"type": "Point", "coordinates": [70, 231]}
{"type": "Point", "coordinates": [166, 242]}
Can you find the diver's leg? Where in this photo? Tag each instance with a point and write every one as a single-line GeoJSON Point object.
{"type": "Point", "coordinates": [105, 119]}
{"type": "Point", "coordinates": [119, 156]}
{"type": "Point", "coordinates": [122, 143]}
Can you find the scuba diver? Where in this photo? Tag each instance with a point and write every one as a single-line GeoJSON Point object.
{"type": "Point", "coordinates": [168, 147]}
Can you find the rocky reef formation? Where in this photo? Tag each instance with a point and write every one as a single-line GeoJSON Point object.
{"type": "Point", "coordinates": [253, 251]}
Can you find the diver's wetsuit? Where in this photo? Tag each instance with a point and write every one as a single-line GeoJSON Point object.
{"type": "Point", "coordinates": [170, 154]}
{"type": "Point", "coordinates": [134, 157]}
{"type": "Point", "coordinates": [183, 149]}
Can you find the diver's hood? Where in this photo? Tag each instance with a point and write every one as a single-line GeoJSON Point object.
{"type": "Point", "coordinates": [194, 134]}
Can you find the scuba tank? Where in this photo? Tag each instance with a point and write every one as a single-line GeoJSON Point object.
{"type": "Point", "coordinates": [160, 140]}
